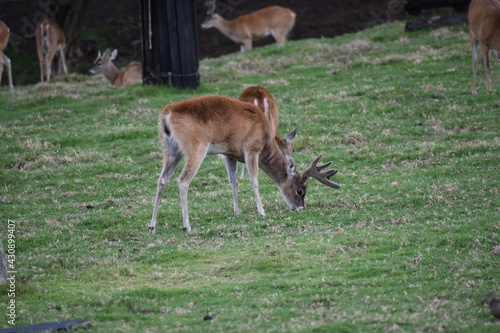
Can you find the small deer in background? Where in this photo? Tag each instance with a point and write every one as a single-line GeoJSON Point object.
{"type": "Point", "coordinates": [274, 20]}
{"type": "Point", "coordinates": [104, 65]}
{"type": "Point", "coordinates": [216, 124]}
{"type": "Point", "coordinates": [266, 103]}
{"type": "Point", "coordinates": [484, 25]}
{"type": "Point", "coordinates": [4, 60]}
{"type": "Point", "coordinates": [50, 39]}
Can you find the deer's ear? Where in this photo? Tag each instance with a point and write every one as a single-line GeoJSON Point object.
{"type": "Point", "coordinates": [290, 167]}
{"type": "Point", "coordinates": [291, 136]}
{"type": "Point", "coordinates": [113, 55]}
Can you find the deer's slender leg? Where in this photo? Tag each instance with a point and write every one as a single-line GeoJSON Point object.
{"type": "Point", "coordinates": [170, 163]}
{"type": "Point", "coordinates": [242, 175]}
{"type": "Point", "coordinates": [42, 70]}
{"type": "Point", "coordinates": [252, 163]}
{"type": "Point", "coordinates": [232, 170]}
{"type": "Point", "coordinates": [279, 36]}
{"type": "Point", "coordinates": [63, 60]}
{"type": "Point", "coordinates": [191, 166]}
{"type": "Point", "coordinates": [486, 65]}
{"type": "Point", "coordinates": [247, 45]}
{"type": "Point", "coordinates": [474, 44]}
{"type": "Point", "coordinates": [48, 64]}
{"type": "Point", "coordinates": [6, 61]}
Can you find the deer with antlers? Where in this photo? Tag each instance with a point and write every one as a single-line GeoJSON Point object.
{"type": "Point", "coordinates": [275, 20]}
{"type": "Point", "coordinates": [266, 103]}
{"type": "Point", "coordinates": [484, 25]}
{"type": "Point", "coordinates": [4, 60]}
{"type": "Point", "coordinates": [50, 39]}
{"type": "Point", "coordinates": [104, 65]}
{"type": "Point", "coordinates": [216, 124]}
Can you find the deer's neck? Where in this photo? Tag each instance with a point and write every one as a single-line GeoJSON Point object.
{"type": "Point", "coordinates": [112, 73]}
{"type": "Point", "coordinates": [227, 28]}
{"type": "Point", "coordinates": [274, 163]}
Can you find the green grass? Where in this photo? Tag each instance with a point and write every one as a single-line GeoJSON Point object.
{"type": "Point", "coordinates": [409, 243]}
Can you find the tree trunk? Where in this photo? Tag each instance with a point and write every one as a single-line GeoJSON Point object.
{"type": "Point", "coordinates": [71, 17]}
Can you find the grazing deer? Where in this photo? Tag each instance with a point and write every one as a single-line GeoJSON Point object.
{"type": "Point", "coordinates": [104, 65]}
{"type": "Point", "coordinates": [4, 60]}
{"type": "Point", "coordinates": [484, 25]}
{"type": "Point", "coordinates": [266, 103]}
{"type": "Point", "coordinates": [216, 124]}
{"type": "Point", "coordinates": [274, 20]}
{"type": "Point", "coordinates": [50, 39]}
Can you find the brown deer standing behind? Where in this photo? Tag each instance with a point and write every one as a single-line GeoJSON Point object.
{"type": "Point", "coordinates": [484, 25]}
{"type": "Point", "coordinates": [104, 65]}
{"type": "Point", "coordinates": [4, 60]}
{"type": "Point", "coordinates": [50, 39]}
{"type": "Point", "coordinates": [266, 103]}
{"type": "Point", "coordinates": [274, 20]}
{"type": "Point", "coordinates": [221, 125]}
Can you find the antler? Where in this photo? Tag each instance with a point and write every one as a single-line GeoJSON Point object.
{"type": "Point", "coordinates": [314, 171]}
{"type": "Point", "coordinates": [210, 6]}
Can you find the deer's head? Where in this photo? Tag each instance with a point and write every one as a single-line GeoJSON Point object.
{"type": "Point", "coordinates": [210, 22]}
{"type": "Point", "coordinates": [103, 62]}
{"type": "Point", "coordinates": [212, 17]}
{"type": "Point", "coordinates": [295, 187]}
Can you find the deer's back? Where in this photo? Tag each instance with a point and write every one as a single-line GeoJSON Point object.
{"type": "Point", "coordinates": [484, 18]}
{"type": "Point", "coordinates": [130, 75]}
{"type": "Point", "coordinates": [266, 103]}
{"type": "Point", "coordinates": [227, 124]}
{"type": "Point", "coordinates": [269, 18]}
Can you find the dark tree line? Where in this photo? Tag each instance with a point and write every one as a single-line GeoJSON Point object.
{"type": "Point", "coordinates": [71, 16]}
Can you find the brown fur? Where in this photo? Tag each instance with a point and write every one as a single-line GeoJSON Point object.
{"type": "Point", "coordinates": [130, 75]}
{"type": "Point", "coordinates": [274, 20]}
{"type": "Point", "coordinates": [257, 95]}
{"type": "Point", "coordinates": [104, 65]}
{"type": "Point", "coordinates": [212, 119]}
{"type": "Point", "coordinates": [4, 60]}
{"type": "Point", "coordinates": [221, 125]}
{"type": "Point", "coordinates": [266, 103]}
{"type": "Point", "coordinates": [484, 25]}
{"type": "Point", "coordinates": [50, 39]}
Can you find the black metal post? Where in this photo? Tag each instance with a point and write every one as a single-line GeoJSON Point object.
{"type": "Point", "coordinates": [170, 53]}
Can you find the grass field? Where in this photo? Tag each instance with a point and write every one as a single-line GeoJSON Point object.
{"type": "Point", "coordinates": [409, 243]}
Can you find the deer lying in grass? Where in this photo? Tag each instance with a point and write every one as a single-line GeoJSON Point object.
{"type": "Point", "coordinates": [50, 39]}
{"type": "Point", "coordinates": [266, 103]}
{"type": "Point", "coordinates": [221, 125]}
{"type": "Point", "coordinates": [104, 65]}
{"type": "Point", "coordinates": [484, 25]}
{"type": "Point", "coordinates": [4, 60]}
{"type": "Point", "coordinates": [274, 20]}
